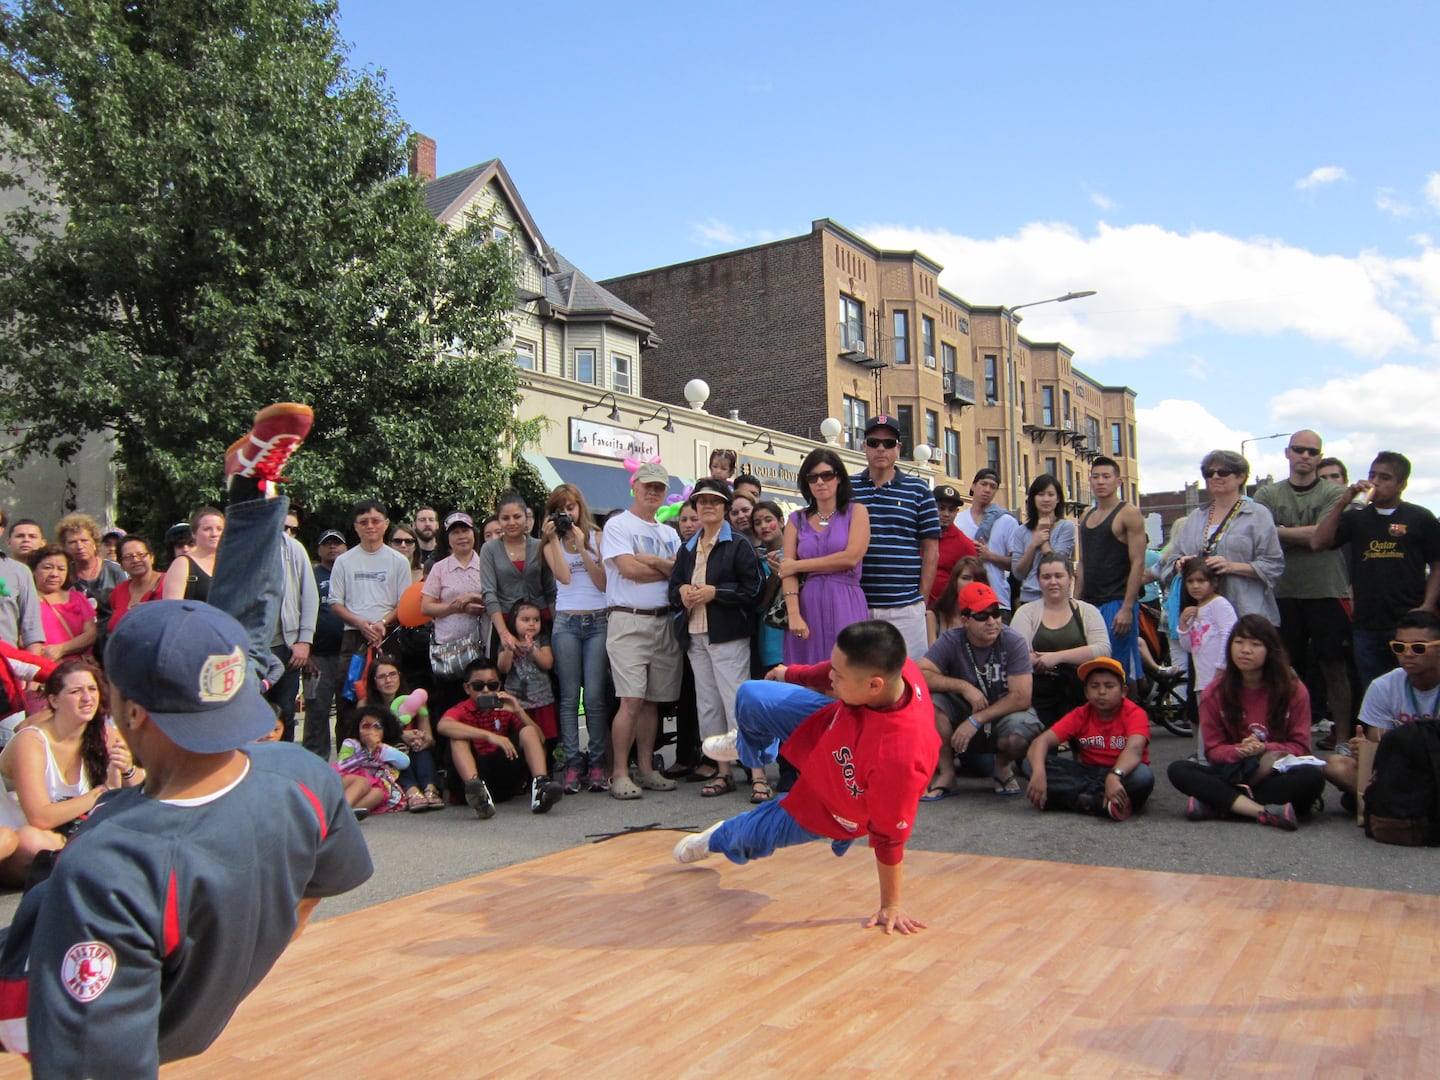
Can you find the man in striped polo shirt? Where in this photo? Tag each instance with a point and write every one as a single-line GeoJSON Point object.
{"type": "Point", "coordinates": [899, 567]}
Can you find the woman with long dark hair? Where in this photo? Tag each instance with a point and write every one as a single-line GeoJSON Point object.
{"type": "Point", "coordinates": [825, 543]}
{"type": "Point", "coordinates": [512, 569]}
{"type": "Point", "coordinates": [1044, 531]}
{"type": "Point", "coordinates": [1254, 713]}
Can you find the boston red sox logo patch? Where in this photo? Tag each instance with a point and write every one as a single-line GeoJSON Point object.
{"type": "Point", "coordinates": [87, 970]}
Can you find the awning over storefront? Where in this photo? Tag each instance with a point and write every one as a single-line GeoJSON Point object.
{"type": "Point", "coordinates": [606, 487]}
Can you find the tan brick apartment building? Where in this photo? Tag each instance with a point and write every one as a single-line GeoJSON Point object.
{"type": "Point", "coordinates": [828, 325]}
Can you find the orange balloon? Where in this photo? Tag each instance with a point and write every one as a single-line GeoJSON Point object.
{"type": "Point", "coordinates": [409, 609]}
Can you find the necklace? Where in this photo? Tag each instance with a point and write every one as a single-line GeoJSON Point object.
{"type": "Point", "coordinates": [824, 519]}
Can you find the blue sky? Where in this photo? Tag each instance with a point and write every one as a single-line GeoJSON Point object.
{"type": "Point", "coordinates": [1253, 189]}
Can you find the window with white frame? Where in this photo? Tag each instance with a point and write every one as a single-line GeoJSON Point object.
{"type": "Point", "coordinates": [852, 322]}
{"type": "Point", "coordinates": [952, 452]}
{"type": "Point", "coordinates": [525, 355]}
{"type": "Point", "coordinates": [620, 373]}
{"type": "Point", "coordinates": [927, 340]}
{"type": "Point", "coordinates": [585, 366]}
{"type": "Point", "coordinates": [901, 324]}
{"type": "Point", "coordinates": [855, 414]}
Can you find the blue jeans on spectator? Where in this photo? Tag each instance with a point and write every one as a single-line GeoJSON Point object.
{"type": "Point", "coordinates": [421, 773]}
{"type": "Point", "coordinates": [578, 640]}
{"type": "Point", "coordinates": [249, 577]}
{"type": "Point", "coordinates": [1373, 657]}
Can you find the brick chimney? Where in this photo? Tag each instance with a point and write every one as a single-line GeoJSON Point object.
{"type": "Point", "coordinates": [422, 158]}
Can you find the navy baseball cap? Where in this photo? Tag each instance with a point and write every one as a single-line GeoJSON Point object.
{"type": "Point", "coordinates": [184, 663]}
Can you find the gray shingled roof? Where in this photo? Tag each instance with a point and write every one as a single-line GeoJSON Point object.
{"type": "Point", "coordinates": [571, 290]}
{"type": "Point", "coordinates": [444, 190]}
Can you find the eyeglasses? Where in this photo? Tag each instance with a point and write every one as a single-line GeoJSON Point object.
{"type": "Point", "coordinates": [876, 444]}
{"type": "Point", "coordinates": [1411, 648]}
{"type": "Point", "coordinates": [823, 476]}
{"type": "Point", "coordinates": [483, 684]}
{"type": "Point", "coordinates": [1313, 451]}
{"type": "Point", "coordinates": [403, 541]}
{"type": "Point", "coordinates": [370, 725]}
{"type": "Point", "coordinates": [984, 616]}
{"type": "Point", "coordinates": [292, 529]}
{"type": "Point", "coordinates": [1209, 473]}
{"type": "Point", "coordinates": [136, 555]}
{"type": "Point", "coordinates": [386, 675]}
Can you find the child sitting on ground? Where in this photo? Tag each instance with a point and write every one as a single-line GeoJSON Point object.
{"type": "Point", "coordinates": [370, 763]}
{"type": "Point", "coordinates": [1111, 774]}
{"type": "Point", "coordinates": [495, 746]}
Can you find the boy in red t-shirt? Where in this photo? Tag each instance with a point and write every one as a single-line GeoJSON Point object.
{"type": "Point", "coordinates": [1111, 772]}
{"type": "Point", "coordinates": [864, 760]}
{"type": "Point", "coordinates": [495, 745]}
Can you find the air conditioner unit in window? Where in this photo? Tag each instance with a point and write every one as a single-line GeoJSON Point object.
{"type": "Point", "coordinates": [856, 347]}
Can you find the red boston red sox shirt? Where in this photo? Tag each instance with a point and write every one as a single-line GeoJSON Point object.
{"type": "Point", "coordinates": [862, 770]}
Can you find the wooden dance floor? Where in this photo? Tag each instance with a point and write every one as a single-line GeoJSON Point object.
{"type": "Point", "coordinates": [611, 960]}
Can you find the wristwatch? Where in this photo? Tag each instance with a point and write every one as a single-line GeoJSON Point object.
{"type": "Point", "coordinates": [1119, 772]}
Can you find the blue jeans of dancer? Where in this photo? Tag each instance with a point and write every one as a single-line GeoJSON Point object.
{"type": "Point", "coordinates": [766, 713]}
{"type": "Point", "coordinates": [1125, 649]}
{"type": "Point", "coordinates": [421, 772]}
{"type": "Point", "coordinates": [249, 577]}
{"type": "Point", "coordinates": [578, 640]}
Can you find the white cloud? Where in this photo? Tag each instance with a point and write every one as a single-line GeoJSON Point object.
{"type": "Point", "coordinates": [1385, 199]}
{"type": "Point", "coordinates": [1325, 174]}
{"type": "Point", "coordinates": [712, 233]}
{"type": "Point", "coordinates": [1432, 190]}
{"type": "Point", "coordinates": [1156, 286]}
{"type": "Point", "coordinates": [1174, 435]}
{"type": "Point", "coordinates": [1198, 368]}
{"type": "Point", "coordinates": [1104, 202]}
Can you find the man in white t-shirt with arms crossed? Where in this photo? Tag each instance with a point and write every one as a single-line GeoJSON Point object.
{"type": "Point", "coordinates": [639, 553]}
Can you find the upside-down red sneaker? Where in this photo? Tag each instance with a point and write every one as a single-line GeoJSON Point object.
{"type": "Point", "coordinates": [277, 433]}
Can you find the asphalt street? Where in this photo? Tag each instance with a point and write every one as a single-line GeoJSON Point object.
{"type": "Point", "coordinates": [413, 852]}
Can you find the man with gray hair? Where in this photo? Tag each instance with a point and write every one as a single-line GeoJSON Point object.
{"type": "Point", "coordinates": [639, 553]}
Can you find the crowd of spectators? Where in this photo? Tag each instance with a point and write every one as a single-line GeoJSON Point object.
{"type": "Point", "coordinates": [547, 644]}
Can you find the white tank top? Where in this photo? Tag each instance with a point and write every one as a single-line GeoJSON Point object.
{"type": "Point", "coordinates": [56, 786]}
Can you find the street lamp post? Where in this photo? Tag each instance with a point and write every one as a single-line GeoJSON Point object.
{"type": "Point", "coordinates": [1263, 438]}
{"type": "Point", "coordinates": [1013, 426]}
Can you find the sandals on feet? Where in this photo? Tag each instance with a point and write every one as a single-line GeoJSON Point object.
{"type": "Point", "coordinates": [433, 799]}
{"type": "Point", "coordinates": [721, 785]}
{"type": "Point", "coordinates": [1007, 785]}
{"type": "Point", "coordinates": [416, 803]}
{"type": "Point", "coordinates": [760, 791]}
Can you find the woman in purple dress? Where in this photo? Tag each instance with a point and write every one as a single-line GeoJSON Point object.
{"type": "Point", "coordinates": [825, 543]}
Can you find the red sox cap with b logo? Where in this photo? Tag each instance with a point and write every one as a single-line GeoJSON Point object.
{"type": "Point", "coordinates": [184, 663]}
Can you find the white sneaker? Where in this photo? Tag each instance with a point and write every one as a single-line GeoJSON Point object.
{"type": "Point", "coordinates": [722, 747]}
{"type": "Point", "coordinates": [696, 846]}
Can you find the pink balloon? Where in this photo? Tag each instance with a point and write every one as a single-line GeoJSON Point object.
{"type": "Point", "coordinates": [413, 703]}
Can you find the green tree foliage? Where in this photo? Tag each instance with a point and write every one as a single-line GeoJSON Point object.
{"type": "Point", "coordinates": [213, 217]}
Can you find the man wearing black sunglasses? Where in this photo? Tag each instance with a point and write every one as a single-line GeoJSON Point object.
{"type": "Point", "coordinates": [1410, 693]}
{"type": "Point", "coordinates": [899, 568]}
{"type": "Point", "coordinates": [1313, 623]}
{"type": "Point", "coordinates": [981, 677]}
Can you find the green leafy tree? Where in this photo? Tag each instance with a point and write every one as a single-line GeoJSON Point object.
{"type": "Point", "coordinates": [212, 216]}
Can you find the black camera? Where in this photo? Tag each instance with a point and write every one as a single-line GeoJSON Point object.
{"type": "Point", "coordinates": [563, 523]}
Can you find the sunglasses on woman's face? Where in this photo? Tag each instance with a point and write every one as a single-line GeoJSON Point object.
{"type": "Point", "coordinates": [404, 541]}
{"type": "Point", "coordinates": [1209, 473]}
{"type": "Point", "coordinates": [482, 685]}
{"type": "Point", "coordinates": [821, 476]}
{"type": "Point", "coordinates": [1411, 648]}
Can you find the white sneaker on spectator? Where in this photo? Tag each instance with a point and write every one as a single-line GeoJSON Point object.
{"type": "Point", "coordinates": [696, 846]}
{"type": "Point", "coordinates": [722, 747]}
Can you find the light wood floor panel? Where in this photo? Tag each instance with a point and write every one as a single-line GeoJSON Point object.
{"type": "Point", "coordinates": [612, 960]}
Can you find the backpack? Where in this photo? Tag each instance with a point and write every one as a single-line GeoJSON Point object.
{"type": "Point", "coordinates": [1402, 802]}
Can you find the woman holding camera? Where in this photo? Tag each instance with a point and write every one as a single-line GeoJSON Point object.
{"type": "Point", "coordinates": [571, 544]}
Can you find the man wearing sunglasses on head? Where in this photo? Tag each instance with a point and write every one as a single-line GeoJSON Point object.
{"type": "Point", "coordinates": [981, 677]}
{"type": "Point", "coordinates": [1409, 693]}
{"type": "Point", "coordinates": [1394, 559]}
{"type": "Point", "coordinates": [1313, 622]}
{"type": "Point", "coordinates": [899, 567]}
